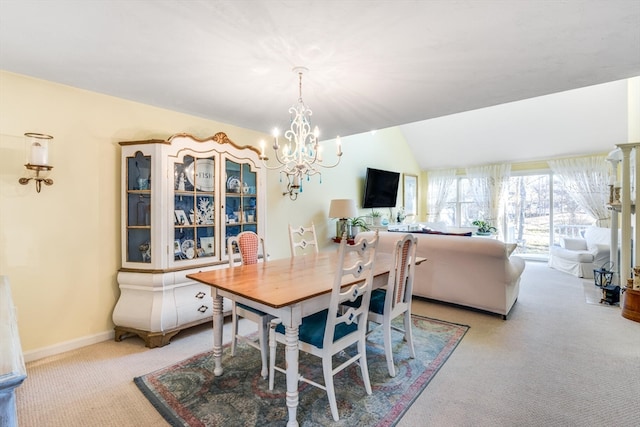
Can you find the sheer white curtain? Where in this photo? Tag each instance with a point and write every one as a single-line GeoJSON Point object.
{"type": "Point", "coordinates": [587, 179]}
{"type": "Point", "coordinates": [439, 183]}
{"type": "Point", "coordinates": [489, 184]}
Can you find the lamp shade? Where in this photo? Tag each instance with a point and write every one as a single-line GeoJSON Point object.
{"type": "Point", "coordinates": [343, 208]}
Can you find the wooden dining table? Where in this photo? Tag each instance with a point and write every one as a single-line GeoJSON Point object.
{"type": "Point", "coordinates": [289, 289]}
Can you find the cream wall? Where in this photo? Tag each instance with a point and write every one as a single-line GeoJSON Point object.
{"type": "Point", "coordinates": [61, 248]}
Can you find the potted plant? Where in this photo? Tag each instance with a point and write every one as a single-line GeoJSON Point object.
{"type": "Point", "coordinates": [376, 216]}
{"type": "Point", "coordinates": [356, 224]}
{"type": "Point", "coordinates": [484, 228]}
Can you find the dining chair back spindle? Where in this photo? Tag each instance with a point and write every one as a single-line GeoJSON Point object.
{"type": "Point", "coordinates": [250, 247]}
{"type": "Point", "coordinates": [303, 239]}
{"type": "Point", "coordinates": [330, 331]}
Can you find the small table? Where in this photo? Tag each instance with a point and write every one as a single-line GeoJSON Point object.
{"type": "Point", "coordinates": [289, 289]}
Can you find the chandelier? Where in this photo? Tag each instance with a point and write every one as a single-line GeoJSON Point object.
{"type": "Point", "coordinates": [301, 155]}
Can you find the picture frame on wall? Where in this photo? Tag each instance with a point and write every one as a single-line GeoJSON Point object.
{"type": "Point", "coordinates": [410, 194]}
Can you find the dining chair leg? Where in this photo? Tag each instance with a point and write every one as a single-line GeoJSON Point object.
{"type": "Point", "coordinates": [327, 368]}
{"type": "Point", "coordinates": [272, 353]}
{"type": "Point", "coordinates": [408, 334]}
{"type": "Point", "coordinates": [264, 347]}
{"type": "Point", "coordinates": [388, 346]}
{"type": "Point", "coordinates": [364, 367]}
{"type": "Point", "coordinates": [234, 329]}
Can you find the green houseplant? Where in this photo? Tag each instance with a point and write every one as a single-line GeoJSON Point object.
{"type": "Point", "coordinates": [356, 224]}
{"type": "Point", "coordinates": [484, 228]}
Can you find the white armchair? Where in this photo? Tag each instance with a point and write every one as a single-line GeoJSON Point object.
{"type": "Point", "coordinates": [580, 257]}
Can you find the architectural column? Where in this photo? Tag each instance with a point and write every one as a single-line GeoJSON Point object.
{"type": "Point", "coordinates": [625, 216]}
{"type": "Point", "coordinates": [614, 158]}
{"type": "Point", "coordinates": [627, 207]}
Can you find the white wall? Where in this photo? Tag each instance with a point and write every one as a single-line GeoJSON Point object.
{"type": "Point", "coordinates": [576, 122]}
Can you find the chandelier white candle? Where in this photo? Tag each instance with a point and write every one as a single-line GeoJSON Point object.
{"type": "Point", "coordinates": [301, 155]}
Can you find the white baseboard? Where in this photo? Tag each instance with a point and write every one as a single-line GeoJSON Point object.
{"type": "Point", "coordinates": [41, 353]}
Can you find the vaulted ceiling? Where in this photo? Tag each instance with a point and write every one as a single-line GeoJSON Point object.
{"type": "Point", "coordinates": [373, 64]}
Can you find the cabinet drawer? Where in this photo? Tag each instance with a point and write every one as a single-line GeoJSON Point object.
{"type": "Point", "coordinates": [193, 294]}
{"type": "Point", "coordinates": [197, 295]}
{"type": "Point", "coordinates": [191, 313]}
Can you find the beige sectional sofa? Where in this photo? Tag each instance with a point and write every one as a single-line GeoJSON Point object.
{"type": "Point", "coordinates": [474, 272]}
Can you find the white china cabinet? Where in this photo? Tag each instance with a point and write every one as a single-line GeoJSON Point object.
{"type": "Point", "coordinates": [182, 198]}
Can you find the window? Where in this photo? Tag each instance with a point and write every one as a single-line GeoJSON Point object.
{"type": "Point", "coordinates": [461, 209]}
{"type": "Point", "coordinates": [538, 211]}
{"type": "Point", "coordinates": [528, 213]}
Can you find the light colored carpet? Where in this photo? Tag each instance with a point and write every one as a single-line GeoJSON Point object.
{"type": "Point", "coordinates": [557, 361]}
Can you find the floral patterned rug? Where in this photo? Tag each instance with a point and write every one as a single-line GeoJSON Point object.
{"type": "Point", "coordinates": [188, 394]}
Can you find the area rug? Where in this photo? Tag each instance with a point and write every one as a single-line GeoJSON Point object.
{"type": "Point", "coordinates": [188, 394]}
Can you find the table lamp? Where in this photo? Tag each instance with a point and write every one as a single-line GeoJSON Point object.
{"type": "Point", "coordinates": [342, 210]}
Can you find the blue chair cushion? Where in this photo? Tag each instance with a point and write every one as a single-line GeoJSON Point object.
{"type": "Point", "coordinates": [312, 329]}
{"type": "Point", "coordinates": [246, 307]}
{"type": "Point", "coordinates": [376, 304]}
{"type": "Point", "coordinates": [377, 301]}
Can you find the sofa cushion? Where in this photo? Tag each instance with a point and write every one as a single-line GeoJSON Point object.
{"type": "Point", "coordinates": [573, 244]}
{"type": "Point", "coordinates": [572, 255]}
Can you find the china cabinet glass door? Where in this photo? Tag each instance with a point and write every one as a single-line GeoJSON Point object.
{"type": "Point", "coordinates": [138, 208]}
{"type": "Point", "coordinates": [240, 199]}
{"type": "Point", "coordinates": [193, 208]}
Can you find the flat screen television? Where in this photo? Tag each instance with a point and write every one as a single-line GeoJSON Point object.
{"type": "Point", "coordinates": [380, 188]}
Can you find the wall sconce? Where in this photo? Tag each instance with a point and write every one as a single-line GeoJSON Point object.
{"type": "Point", "coordinates": [37, 158]}
{"type": "Point", "coordinates": [293, 188]}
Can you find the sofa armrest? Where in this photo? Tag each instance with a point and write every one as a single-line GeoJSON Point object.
{"type": "Point", "coordinates": [599, 249]}
{"type": "Point", "coordinates": [573, 244]}
{"type": "Point", "coordinates": [515, 267]}
{"type": "Point", "coordinates": [600, 254]}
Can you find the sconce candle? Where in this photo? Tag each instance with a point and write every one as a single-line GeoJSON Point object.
{"type": "Point", "coordinates": [38, 149]}
{"type": "Point", "coordinates": [39, 154]}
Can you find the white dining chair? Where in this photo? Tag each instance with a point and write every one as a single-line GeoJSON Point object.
{"type": "Point", "coordinates": [395, 300]}
{"type": "Point", "coordinates": [330, 331]}
{"type": "Point", "coordinates": [250, 246]}
{"type": "Point", "coordinates": [302, 238]}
